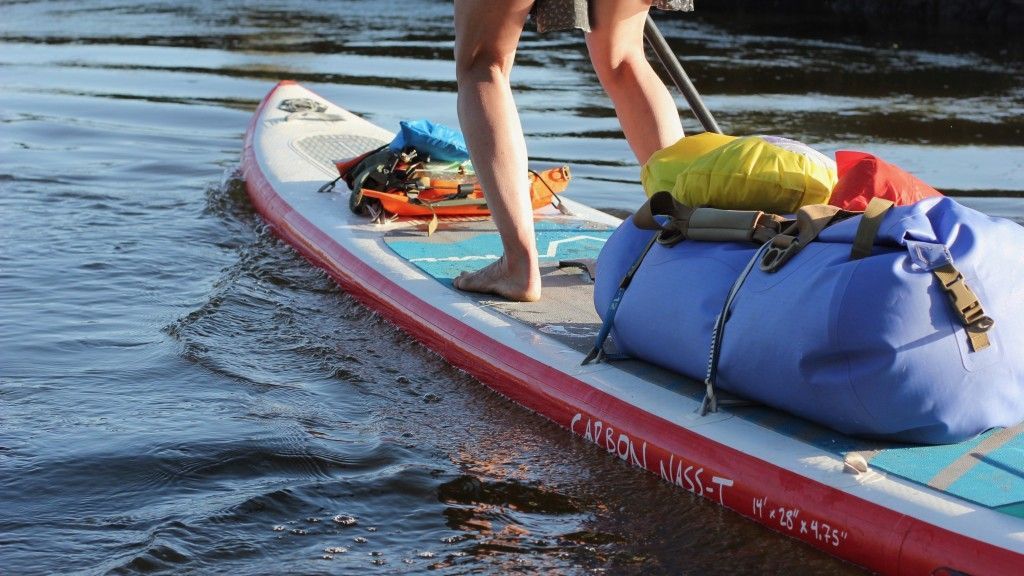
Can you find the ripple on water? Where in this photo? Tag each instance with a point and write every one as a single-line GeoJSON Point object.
{"type": "Point", "coordinates": [183, 393]}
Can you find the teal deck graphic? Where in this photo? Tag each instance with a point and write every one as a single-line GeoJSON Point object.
{"type": "Point", "coordinates": [445, 258]}
{"type": "Point", "coordinates": [986, 470]}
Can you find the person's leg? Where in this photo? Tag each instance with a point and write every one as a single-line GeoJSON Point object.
{"type": "Point", "coordinates": [486, 36]}
{"type": "Point", "coordinates": [646, 110]}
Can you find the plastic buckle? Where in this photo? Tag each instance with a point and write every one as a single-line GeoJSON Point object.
{"type": "Point", "coordinates": [670, 236]}
{"type": "Point", "coordinates": [775, 257]}
{"type": "Point", "coordinates": [965, 300]}
{"type": "Point", "coordinates": [968, 307]}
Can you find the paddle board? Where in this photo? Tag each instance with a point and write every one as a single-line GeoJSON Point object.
{"type": "Point", "coordinates": [894, 509]}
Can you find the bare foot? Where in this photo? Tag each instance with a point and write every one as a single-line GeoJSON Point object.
{"type": "Point", "coordinates": [496, 278]}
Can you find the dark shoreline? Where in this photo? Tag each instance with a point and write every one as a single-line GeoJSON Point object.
{"type": "Point", "coordinates": [949, 25]}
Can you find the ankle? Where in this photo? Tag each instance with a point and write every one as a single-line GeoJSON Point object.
{"type": "Point", "coordinates": [526, 268]}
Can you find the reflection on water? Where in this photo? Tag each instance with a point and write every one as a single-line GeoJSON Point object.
{"type": "Point", "coordinates": [181, 391]}
{"type": "Point", "coordinates": [833, 94]}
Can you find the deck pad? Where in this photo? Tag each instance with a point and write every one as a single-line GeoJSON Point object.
{"type": "Point", "coordinates": [984, 470]}
{"type": "Point", "coordinates": [566, 312]}
{"type": "Point", "coordinates": [460, 245]}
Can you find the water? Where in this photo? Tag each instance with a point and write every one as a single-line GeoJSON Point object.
{"type": "Point", "coordinates": [179, 391]}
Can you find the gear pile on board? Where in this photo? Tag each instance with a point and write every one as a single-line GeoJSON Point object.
{"type": "Point", "coordinates": [902, 322]}
{"type": "Point", "coordinates": [425, 171]}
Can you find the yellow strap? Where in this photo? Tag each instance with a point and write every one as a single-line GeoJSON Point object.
{"type": "Point", "coordinates": [870, 222]}
{"type": "Point", "coordinates": [966, 304]}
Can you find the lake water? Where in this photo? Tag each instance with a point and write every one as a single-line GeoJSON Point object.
{"type": "Point", "coordinates": [180, 391]}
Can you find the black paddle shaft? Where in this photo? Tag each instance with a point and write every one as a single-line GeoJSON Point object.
{"type": "Point", "coordinates": [679, 78]}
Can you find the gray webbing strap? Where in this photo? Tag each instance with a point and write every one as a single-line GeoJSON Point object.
{"type": "Point", "coordinates": [663, 204]}
{"type": "Point", "coordinates": [710, 402]}
{"type": "Point", "coordinates": [810, 221]}
{"type": "Point", "coordinates": [598, 352]}
{"type": "Point", "coordinates": [704, 224]}
{"type": "Point", "coordinates": [870, 223]}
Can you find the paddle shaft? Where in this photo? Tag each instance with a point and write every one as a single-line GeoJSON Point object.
{"type": "Point", "coordinates": [679, 77]}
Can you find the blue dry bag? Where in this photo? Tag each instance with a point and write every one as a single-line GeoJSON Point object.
{"type": "Point", "coordinates": [440, 142]}
{"type": "Point", "coordinates": [876, 346]}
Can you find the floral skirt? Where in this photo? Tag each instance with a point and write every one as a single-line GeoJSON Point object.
{"type": "Point", "coordinates": [550, 15]}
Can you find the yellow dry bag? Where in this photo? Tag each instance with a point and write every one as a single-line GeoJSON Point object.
{"type": "Point", "coordinates": [765, 173]}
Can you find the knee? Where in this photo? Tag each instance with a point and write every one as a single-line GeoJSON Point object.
{"type": "Point", "coordinates": [614, 67]}
{"type": "Point", "coordinates": [482, 64]}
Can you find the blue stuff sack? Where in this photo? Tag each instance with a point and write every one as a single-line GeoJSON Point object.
{"type": "Point", "coordinates": [870, 347]}
{"type": "Point", "coordinates": [441, 143]}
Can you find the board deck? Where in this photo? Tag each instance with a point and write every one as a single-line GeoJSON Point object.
{"type": "Point", "coordinates": [917, 508]}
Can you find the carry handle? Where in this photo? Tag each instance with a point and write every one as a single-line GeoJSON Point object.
{"type": "Point", "coordinates": [870, 223]}
{"type": "Point", "coordinates": [704, 224]}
